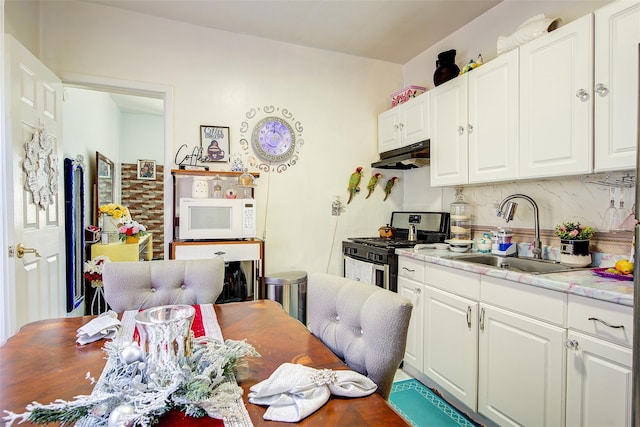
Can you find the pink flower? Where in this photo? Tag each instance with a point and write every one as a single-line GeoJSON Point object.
{"type": "Point", "coordinates": [573, 233]}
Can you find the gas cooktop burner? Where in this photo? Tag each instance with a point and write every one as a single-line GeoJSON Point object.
{"type": "Point", "coordinates": [395, 243]}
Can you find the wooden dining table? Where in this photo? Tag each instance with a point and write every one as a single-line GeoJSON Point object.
{"type": "Point", "coordinates": [43, 363]}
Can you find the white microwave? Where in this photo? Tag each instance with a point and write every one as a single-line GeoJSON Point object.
{"type": "Point", "coordinates": [203, 219]}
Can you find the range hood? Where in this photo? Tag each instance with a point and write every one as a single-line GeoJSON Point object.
{"type": "Point", "coordinates": [412, 156]}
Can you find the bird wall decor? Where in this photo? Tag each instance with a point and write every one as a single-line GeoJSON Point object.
{"type": "Point", "coordinates": [372, 183]}
{"type": "Point", "coordinates": [354, 183]}
{"type": "Point", "coordinates": [388, 186]}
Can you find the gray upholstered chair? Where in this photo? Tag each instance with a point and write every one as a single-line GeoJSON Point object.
{"type": "Point", "coordinates": [366, 326]}
{"type": "Point", "coordinates": [137, 285]}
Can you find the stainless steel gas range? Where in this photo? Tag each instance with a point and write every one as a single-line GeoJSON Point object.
{"type": "Point", "coordinates": [373, 259]}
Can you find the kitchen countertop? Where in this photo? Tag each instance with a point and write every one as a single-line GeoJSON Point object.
{"type": "Point", "coordinates": [579, 282]}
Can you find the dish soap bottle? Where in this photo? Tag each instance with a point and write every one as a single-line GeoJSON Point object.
{"type": "Point", "coordinates": [460, 226]}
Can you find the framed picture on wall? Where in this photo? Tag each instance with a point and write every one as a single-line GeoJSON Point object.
{"type": "Point", "coordinates": [147, 169]}
{"type": "Point", "coordinates": [214, 141]}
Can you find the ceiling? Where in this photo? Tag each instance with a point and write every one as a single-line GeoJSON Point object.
{"type": "Point", "coordinates": [388, 30]}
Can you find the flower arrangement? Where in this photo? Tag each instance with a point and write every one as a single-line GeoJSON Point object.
{"type": "Point", "coordinates": [131, 229]}
{"type": "Point", "coordinates": [573, 231]}
{"type": "Point", "coordinates": [93, 268]}
{"type": "Point", "coordinates": [115, 210]}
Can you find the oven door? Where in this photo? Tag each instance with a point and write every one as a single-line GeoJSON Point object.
{"type": "Point", "coordinates": [366, 271]}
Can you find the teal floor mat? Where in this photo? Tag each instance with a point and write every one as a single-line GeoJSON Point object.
{"type": "Point", "coordinates": [421, 407]}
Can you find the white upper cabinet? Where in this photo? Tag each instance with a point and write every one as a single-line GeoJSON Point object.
{"type": "Point", "coordinates": [404, 124]}
{"type": "Point", "coordinates": [448, 120]}
{"type": "Point", "coordinates": [556, 102]}
{"type": "Point", "coordinates": [617, 30]}
{"type": "Point", "coordinates": [493, 120]}
{"type": "Point", "coordinates": [474, 125]}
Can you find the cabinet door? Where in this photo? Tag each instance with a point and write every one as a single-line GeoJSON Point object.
{"type": "Point", "coordinates": [451, 343]}
{"type": "Point", "coordinates": [414, 122]}
{"type": "Point", "coordinates": [493, 120]}
{"type": "Point", "coordinates": [389, 130]}
{"type": "Point", "coordinates": [413, 291]}
{"type": "Point", "coordinates": [448, 121]}
{"type": "Point", "coordinates": [556, 118]}
{"type": "Point", "coordinates": [521, 369]}
{"type": "Point", "coordinates": [598, 382]}
{"type": "Point", "coordinates": [617, 34]}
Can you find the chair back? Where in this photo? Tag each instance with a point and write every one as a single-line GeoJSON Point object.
{"type": "Point", "coordinates": [138, 285]}
{"type": "Point", "coordinates": [366, 326]}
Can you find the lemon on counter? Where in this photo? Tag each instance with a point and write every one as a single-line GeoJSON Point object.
{"type": "Point", "coordinates": [625, 266]}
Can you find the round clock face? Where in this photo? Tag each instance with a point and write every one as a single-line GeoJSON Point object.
{"type": "Point", "coordinates": [273, 139]}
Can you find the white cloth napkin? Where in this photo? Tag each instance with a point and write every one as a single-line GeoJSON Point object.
{"type": "Point", "coordinates": [294, 392]}
{"type": "Point", "coordinates": [104, 326]}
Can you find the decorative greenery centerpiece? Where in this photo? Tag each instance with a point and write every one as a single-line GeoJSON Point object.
{"type": "Point", "coordinates": [131, 230]}
{"type": "Point", "coordinates": [130, 393]}
{"type": "Point", "coordinates": [573, 231]}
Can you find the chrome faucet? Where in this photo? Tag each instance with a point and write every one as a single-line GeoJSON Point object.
{"type": "Point", "coordinates": [507, 210]}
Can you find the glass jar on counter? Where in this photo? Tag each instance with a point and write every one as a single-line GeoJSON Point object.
{"type": "Point", "coordinates": [461, 214]}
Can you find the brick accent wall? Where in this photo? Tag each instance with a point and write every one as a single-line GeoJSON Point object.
{"type": "Point", "coordinates": [145, 200]}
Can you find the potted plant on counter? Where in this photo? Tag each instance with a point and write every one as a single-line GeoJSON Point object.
{"type": "Point", "coordinates": [130, 232]}
{"type": "Point", "coordinates": [574, 243]}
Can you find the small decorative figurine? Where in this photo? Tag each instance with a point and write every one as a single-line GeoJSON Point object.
{"type": "Point", "coordinates": [354, 183]}
{"type": "Point", "coordinates": [372, 183]}
{"type": "Point", "coordinates": [389, 186]}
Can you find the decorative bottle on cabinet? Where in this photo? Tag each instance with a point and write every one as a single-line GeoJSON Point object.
{"type": "Point", "coordinates": [446, 68]}
{"type": "Point", "coordinates": [460, 218]}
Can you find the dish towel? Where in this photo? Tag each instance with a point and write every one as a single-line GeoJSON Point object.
{"type": "Point", "coordinates": [294, 392]}
{"type": "Point", "coordinates": [104, 326]}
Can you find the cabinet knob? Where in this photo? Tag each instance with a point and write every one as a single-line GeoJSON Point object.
{"type": "Point", "coordinates": [418, 291]}
{"type": "Point", "coordinates": [469, 129]}
{"type": "Point", "coordinates": [571, 344]}
{"type": "Point", "coordinates": [601, 89]}
{"type": "Point", "coordinates": [582, 95]}
{"type": "Point", "coordinates": [460, 130]}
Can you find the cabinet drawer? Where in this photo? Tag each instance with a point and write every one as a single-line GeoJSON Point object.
{"type": "Point", "coordinates": [411, 269]}
{"type": "Point", "coordinates": [544, 304]}
{"type": "Point", "coordinates": [582, 309]}
{"type": "Point", "coordinates": [458, 282]}
{"type": "Point", "coordinates": [230, 251]}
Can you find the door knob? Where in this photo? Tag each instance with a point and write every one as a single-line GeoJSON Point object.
{"type": "Point", "coordinates": [21, 250]}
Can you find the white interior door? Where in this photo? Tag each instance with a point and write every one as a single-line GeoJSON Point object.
{"type": "Point", "coordinates": [33, 100]}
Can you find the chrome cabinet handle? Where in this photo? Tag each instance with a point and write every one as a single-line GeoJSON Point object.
{"type": "Point", "coordinates": [601, 89]}
{"type": "Point", "coordinates": [21, 250]}
{"type": "Point", "coordinates": [571, 344]}
{"type": "Point", "coordinates": [606, 324]}
{"type": "Point", "coordinates": [460, 130]}
{"type": "Point", "coordinates": [469, 129]}
{"type": "Point", "coordinates": [482, 319]}
{"type": "Point", "coordinates": [582, 95]}
{"type": "Point", "coordinates": [469, 316]}
{"type": "Point", "coordinates": [418, 291]}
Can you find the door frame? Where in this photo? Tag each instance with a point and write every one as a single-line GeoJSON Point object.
{"type": "Point", "coordinates": [154, 90]}
{"type": "Point", "coordinates": [4, 238]}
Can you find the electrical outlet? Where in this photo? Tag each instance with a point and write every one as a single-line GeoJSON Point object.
{"type": "Point", "coordinates": [336, 207]}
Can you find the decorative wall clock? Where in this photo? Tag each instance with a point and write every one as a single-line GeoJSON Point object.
{"type": "Point", "coordinates": [41, 167]}
{"type": "Point", "coordinates": [275, 137]}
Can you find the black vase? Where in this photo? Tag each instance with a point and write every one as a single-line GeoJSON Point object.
{"type": "Point", "coordinates": [446, 68]}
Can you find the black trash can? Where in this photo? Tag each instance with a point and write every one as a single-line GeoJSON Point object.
{"type": "Point", "coordinates": [290, 290]}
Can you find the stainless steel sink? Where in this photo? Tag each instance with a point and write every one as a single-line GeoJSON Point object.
{"type": "Point", "coordinates": [525, 265]}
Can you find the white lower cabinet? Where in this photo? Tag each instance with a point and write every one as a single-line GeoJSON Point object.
{"type": "Point", "coordinates": [410, 286]}
{"type": "Point", "coordinates": [521, 369]}
{"type": "Point", "coordinates": [451, 343]}
{"type": "Point", "coordinates": [517, 354]}
{"type": "Point", "coordinates": [599, 360]}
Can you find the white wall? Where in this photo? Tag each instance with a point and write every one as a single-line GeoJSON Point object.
{"type": "Point", "coordinates": [141, 137]}
{"type": "Point", "coordinates": [217, 78]}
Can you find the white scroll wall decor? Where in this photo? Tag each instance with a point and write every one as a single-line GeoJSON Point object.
{"type": "Point", "coordinates": [41, 167]}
